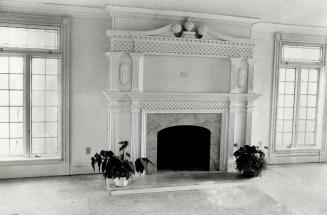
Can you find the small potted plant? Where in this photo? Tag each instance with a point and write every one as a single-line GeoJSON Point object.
{"type": "Point", "coordinates": [119, 168]}
{"type": "Point", "coordinates": [250, 161]}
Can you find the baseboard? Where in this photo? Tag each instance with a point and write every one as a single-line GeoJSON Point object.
{"type": "Point", "coordinates": [76, 169]}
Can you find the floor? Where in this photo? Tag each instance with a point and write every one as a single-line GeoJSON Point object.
{"type": "Point", "coordinates": [282, 189]}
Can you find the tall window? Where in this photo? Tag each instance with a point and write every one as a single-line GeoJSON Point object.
{"type": "Point", "coordinates": [30, 95]}
{"type": "Point", "coordinates": [297, 96]}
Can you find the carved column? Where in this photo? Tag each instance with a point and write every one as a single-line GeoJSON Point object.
{"type": "Point", "coordinates": [135, 129]}
{"type": "Point", "coordinates": [236, 127]}
{"type": "Point", "coordinates": [251, 62]}
{"type": "Point", "coordinates": [249, 111]}
{"type": "Point", "coordinates": [113, 74]}
{"type": "Point", "coordinates": [113, 110]}
{"type": "Point", "coordinates": [137, 77]}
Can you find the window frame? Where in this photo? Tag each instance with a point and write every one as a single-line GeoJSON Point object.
{"type": "Point", "coordinates": [298, 40]}
{"type": "Point", "coordinates": [62, 24]}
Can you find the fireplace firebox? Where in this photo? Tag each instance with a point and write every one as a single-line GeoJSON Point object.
{"type": "Point", "coordinates": [184, 147]}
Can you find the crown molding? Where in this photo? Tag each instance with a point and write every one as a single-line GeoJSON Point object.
{"type": "Point", "coordinates": [52, 9]}
{"type": "Point", "coordinates": [279, 27]}
{"type": "Point", "coordinates": [120, 11]}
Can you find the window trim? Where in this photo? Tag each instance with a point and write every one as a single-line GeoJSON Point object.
{"type": "Point", "coordinates": [63, 25]}
{"type": "Point", "coordinates": [282, 39]}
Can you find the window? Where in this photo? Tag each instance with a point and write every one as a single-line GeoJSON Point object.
{"type": "Point", "coordinates": [31, 92]}
{"type": "Point", "coordinates": [297, 96]}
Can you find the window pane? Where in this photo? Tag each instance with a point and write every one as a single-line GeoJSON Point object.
{"type": "Point", "coordinates": [17, 37]}
{"type": "Point", "coordinates": [51, 129]}
{"type": "Point", "coordinates": [38, 98]}
{"type": "Point", "coordinates": [16, 98]}
{"type": "Point", "coordinates": [16, 146]}
{"type": "Point", "coordinates": [4, 147]}
{"type": "Point", "coordinates": [16, 114]}
{"type": "Point", "coordinates": [4, 97]}
{"type": "Point", "coordinates": [288, 126]}
{"type": "Point", "coordinates": [304, 88]}
{"type": "Point", "coordinates": [4, 81]}
{"type": "Point", "coordinates": [16, 81]}
{"type": "Point", "coordinates": [311, 113]}
{"type": "Point", "coordinates": [311, 101]}
{"type": "Point", "coordinates": [51, 145]}
{"type": "Point", "coordinates": [4, 114]}
{"type": "Point", "coordinates": [301, 53]}
{"type": "Point", "coordinates": [4, 65]}
{"type": "Point", "coordinates": [312, 89]}
{"type": "Point", "coordinates": [38, 66]}
{"type": "Point", "coordinates": [38, 114]}
{"type": "Point", "coordinates": [288, 113]}
{"type": "Point", "coordinates": [309, 138]}
{"type": "Point", "coordinates": [38, 145]}
{"type": "Point", "coordinates": [289, 101]}
{"type": "Point", "coordinates": [287, 140]}
{"type": "Point", "coordinates": [51, 82]}
{"type": "Point", "coordinates": [290, 74]}
{"type": "Point", "coordinates": [51, 98]}
{"type": "Point", "coordinates": [15, 64]}
{"type": "Point", "coordinates": [313, 75]}
{"type": "Point", "coordinates": [310, 126]}
{"type": "Point", "coordinates": [52, 66]}
{"type": "Point", "coordinates": [302, 113]}
{"type": "Point", "coordinates": [279, 126]}
{"type": "Point", "coordinates": [38, 82]}
{"type": "Point", "coordinates": [4, 130]}
{"type": "Point", "coordinates": [38, 129]}
{"type": "Point", "coordinates": [300, 138]}
{"type": "Point", "coordinates": [289, 88]}
{"type": "Point", "coordinates": [16, 130]}
{"type": "Point", "coordinates": [51, 114]}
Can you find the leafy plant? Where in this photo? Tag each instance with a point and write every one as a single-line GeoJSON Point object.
{"type": "Point", "coordinates": [112, 166]}
{"type": "Point", "coordinates": [250, 160]}
{"type": "Point", "coordinates": [142, 164]}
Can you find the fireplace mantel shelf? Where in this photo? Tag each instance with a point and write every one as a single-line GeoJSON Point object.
{"type": "Point", "coordinates": [135, 96]}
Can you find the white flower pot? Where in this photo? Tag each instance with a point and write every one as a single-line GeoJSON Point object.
{"type": "Point", "coordinates": [121, 182]}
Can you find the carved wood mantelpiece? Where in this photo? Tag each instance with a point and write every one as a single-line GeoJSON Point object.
{"type": "Point", "coordinates": [130, 100]}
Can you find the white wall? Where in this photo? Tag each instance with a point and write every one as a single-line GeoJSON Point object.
{"type": "Point", "coordinates": [88, 80]}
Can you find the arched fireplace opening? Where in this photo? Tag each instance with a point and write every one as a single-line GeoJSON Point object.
{"type": "Point", "coordinates": [184, 147]}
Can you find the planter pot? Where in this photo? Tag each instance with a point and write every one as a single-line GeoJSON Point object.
{"type": "Point", "coordinates": [121, 182]}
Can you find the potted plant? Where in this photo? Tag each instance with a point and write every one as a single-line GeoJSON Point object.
{"type": "Point", "coordinates": [250, 161]}
{"type": "Point", "coordinates": [119, 168]}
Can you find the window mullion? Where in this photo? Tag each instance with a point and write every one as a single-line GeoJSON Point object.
{"type": "Point", "coordinates": [27, 122]}
{"type": "Point", "coordinates": [296, 105]}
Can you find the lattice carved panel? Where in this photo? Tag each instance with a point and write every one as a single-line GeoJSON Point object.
{"type": "Point", "coordinates": [169, 45]}
{"type": "Point", "coordinates": [183, 105]}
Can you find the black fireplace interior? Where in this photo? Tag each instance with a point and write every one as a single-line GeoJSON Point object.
{"type": "Point", "coordinates": [184, 147]}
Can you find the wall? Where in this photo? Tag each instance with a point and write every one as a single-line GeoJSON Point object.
{"type": "Point", "coordinates": [186, 74]}
{"type": "Point", "coordinates": [88, 80]}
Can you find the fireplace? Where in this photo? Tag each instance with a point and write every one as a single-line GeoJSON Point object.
{"type": "Point", "coordinates": [183, 147]}
{"type": "Point", "coordinates": [159, 84]}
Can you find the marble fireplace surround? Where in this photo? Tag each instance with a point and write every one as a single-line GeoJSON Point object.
{"type": "Point", "coordinates": [159, 121]}
{"type": "Point", "coordinates": [131, 108]}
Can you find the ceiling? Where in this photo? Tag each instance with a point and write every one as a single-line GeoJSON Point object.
{"type": "Point", "coordinates": [297, 12]}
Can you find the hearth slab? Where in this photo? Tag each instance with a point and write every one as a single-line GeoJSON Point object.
{"type": "Point", "coordinates": [182, 180]}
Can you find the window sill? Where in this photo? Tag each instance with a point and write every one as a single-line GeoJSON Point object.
{"type": "Point", "coordinates": [32, 160]}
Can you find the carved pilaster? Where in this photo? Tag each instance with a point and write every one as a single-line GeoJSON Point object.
{"type": "Point", "coordinates": [249, 111]}
{"type": "Point", "coordinates": [113, 110]}
{"type": "Point", "coordinates": [237, 75]}
{"type": "Point", "coordinates": [250, 62]}
{"type": "Point", "coordinates": [135, 129]}
{"type": "Point", "coordinates": [137, 77]}
{"type": "Point", "coordinates": [113, 73]}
